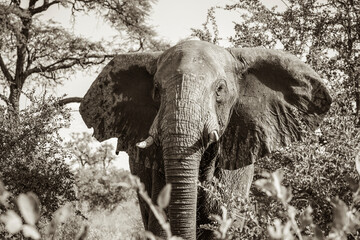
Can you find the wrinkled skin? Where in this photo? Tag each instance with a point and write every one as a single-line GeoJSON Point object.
{"type": "Point", "coordinates": [203, 112]}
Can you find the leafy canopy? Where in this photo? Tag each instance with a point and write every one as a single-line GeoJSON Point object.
{"type": "Point", "coordinates": [33, 49]}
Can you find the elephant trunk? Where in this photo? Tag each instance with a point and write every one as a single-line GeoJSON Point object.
{"type": "Point", "coordinates": [182, 149]}
{"type": "Point", "coordinates": [183, 176]}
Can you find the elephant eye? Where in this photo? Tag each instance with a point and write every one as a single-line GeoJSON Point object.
{"type": "Point", "coordinates": [220, 92]}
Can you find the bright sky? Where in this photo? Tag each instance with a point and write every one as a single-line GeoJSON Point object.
{"type": "Point", "coordinates": [172, 20]}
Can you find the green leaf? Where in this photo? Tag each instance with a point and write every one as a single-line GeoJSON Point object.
{"type": "Point", "coordinates": [51, 228]}
{"type": "Point", "coordinates": [31, 232]}
{"type": "Point", "coordinates": [29, 206]}
{"type": "Point", "coordinates": [12, 221]}
{"type": "Point", "coordinates": [266, 186]}
{"type": "Point", "coordinates": [340, 212]}
{"type": "Point", "coordinates": [3, 194]}
{"type": "Point", "coordinates": [275, 231]}
{"type": "Point", "coordinates": [163, 199]}
{"type": "Point", "coordinates": [62, 214]}
{"type": "Point", "coordinates": [3, 198]}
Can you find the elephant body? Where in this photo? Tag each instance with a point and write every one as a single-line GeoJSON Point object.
{"type": "Point", "coordinates": [201, 112]}
{"type": "Point", "coordinates": [147, 165]}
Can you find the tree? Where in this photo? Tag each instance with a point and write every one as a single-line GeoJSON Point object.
{"type": "Point", "coordinates": [326, 34]}
{"type": "Point", "coordinates": [86, 153]}
{"type": "Point", "coordinates": [97, 183]}
{"type": "Point", "coordinates": [32, 50]}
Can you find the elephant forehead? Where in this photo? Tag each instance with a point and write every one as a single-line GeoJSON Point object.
{"type": "Point", "coordinates": [196, 57]}
{"type": "Point", "coordinates": [190, 86]}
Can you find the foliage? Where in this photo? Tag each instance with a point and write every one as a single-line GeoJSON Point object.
{"type": "Point", "coordinates": [87, 152]}
{"type": "Point", "coordinates": [33, 49]}
{"type": "Point", "coordinates": [346, 219]}
{"type": "Point", "coordinates": [94, 178]}
{"type": "Point", "coordinates": [129, 17]}
{"type": "Point", "coordinates": [277, 218]}
{"type": "Point", "coordinates": [32, 157]}
{"type": "Point", "coordinates": [100, 190]}
{"type": "Point", "coordinates": [224, 224]}
{"type": "Point", "coordinates": [29, 208]}
{"type": "Point", "coordinates": [321, 167]}
{"type": "Point", "coordinates": [124, 222]}
{"type": "Point", "coordinates": [325, 34]}
{"type": "Point", "coordinates": [208, 34]}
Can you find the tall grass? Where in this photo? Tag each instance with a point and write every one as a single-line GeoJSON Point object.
{"type": "Point", "coordinates": [124, 222]}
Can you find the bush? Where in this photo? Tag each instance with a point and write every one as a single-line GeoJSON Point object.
{"type": "Point", "coordinates": [96, 178]}
{"type": "Point", "coordinates": [321, 167]}
{"type": "Point", "coordinates": [31, 154]}
{"type": "Point", "coordinates": [102, 190]}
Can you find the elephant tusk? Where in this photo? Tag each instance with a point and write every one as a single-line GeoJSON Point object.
{"type": "Point", "coordinates": [146, 143]}
{"type": "Point", "coordinates": [213, 136]}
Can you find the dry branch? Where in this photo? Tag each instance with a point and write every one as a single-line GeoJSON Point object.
{"type": "Point", "coordinates": [65, 101]}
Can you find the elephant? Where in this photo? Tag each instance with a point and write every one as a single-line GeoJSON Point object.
{"type": "Point", "coordinates": [196, 112]}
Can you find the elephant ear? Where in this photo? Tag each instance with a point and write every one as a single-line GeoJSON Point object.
{"type": "Point", "coordinates": [279, 97]}
{"type": "Point", "coordinates": [119, 103]}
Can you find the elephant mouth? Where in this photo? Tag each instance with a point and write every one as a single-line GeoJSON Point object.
{"type": "Point", "coordinates": [212, 150]}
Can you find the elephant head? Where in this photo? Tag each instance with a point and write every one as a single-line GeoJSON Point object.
{"type": "Point", "coordinates": [245, 102]}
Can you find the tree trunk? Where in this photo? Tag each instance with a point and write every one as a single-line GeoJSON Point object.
{"type": "Point", "coordinates": [14, 98]}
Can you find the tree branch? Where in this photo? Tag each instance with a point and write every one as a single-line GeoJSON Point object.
{"type": "Point", "coordinates": [5, 70]}
{"type": "Point", "coordinates": [60, 64]}
{"type": "Point", "coordinates": [5, 99]}
{"type": "Point", "coordinates": [29, 58]}
{"type": "Point", "coordinates": [65, 101]}
{"type": "Point", "coordinates": [44, 7]}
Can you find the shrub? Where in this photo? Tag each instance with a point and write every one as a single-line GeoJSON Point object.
{"type": "Point", "coordinates": [23, 220]}
{"type": "Point", "coordinates": [96, 178]}
{"type": "Point", "coordinates": [319, 168]}
{"type": "Point", "coordinates": [31, 154]}
{"type": "Point", "coordinates": [101, 190]}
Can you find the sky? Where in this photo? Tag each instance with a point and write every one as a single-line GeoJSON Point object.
{"type": "Point", "coordinates": [172, 20]}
